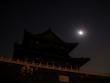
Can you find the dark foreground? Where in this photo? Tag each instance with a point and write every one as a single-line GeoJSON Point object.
{"type": "Point", "coordinates": [12, 73]}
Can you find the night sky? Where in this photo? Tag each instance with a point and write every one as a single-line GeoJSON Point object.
{"type": "Point", "coordinates": [64, 18]}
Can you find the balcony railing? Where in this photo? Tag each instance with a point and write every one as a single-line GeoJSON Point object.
{"type": "Point", "coordinates": [31, 65]}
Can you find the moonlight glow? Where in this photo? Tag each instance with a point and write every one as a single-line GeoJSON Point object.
{"type": "Point", "coordinates": [80, 32]}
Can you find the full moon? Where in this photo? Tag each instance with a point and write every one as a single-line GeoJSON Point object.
{"type": "Point", "coordinates": [80, 32]}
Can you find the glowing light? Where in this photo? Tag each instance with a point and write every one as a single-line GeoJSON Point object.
{"type": "Point", "coordinates": [80, 32]}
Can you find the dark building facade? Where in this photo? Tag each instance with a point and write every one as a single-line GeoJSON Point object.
{"type": "Point", "coordinates": [44, 58]}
